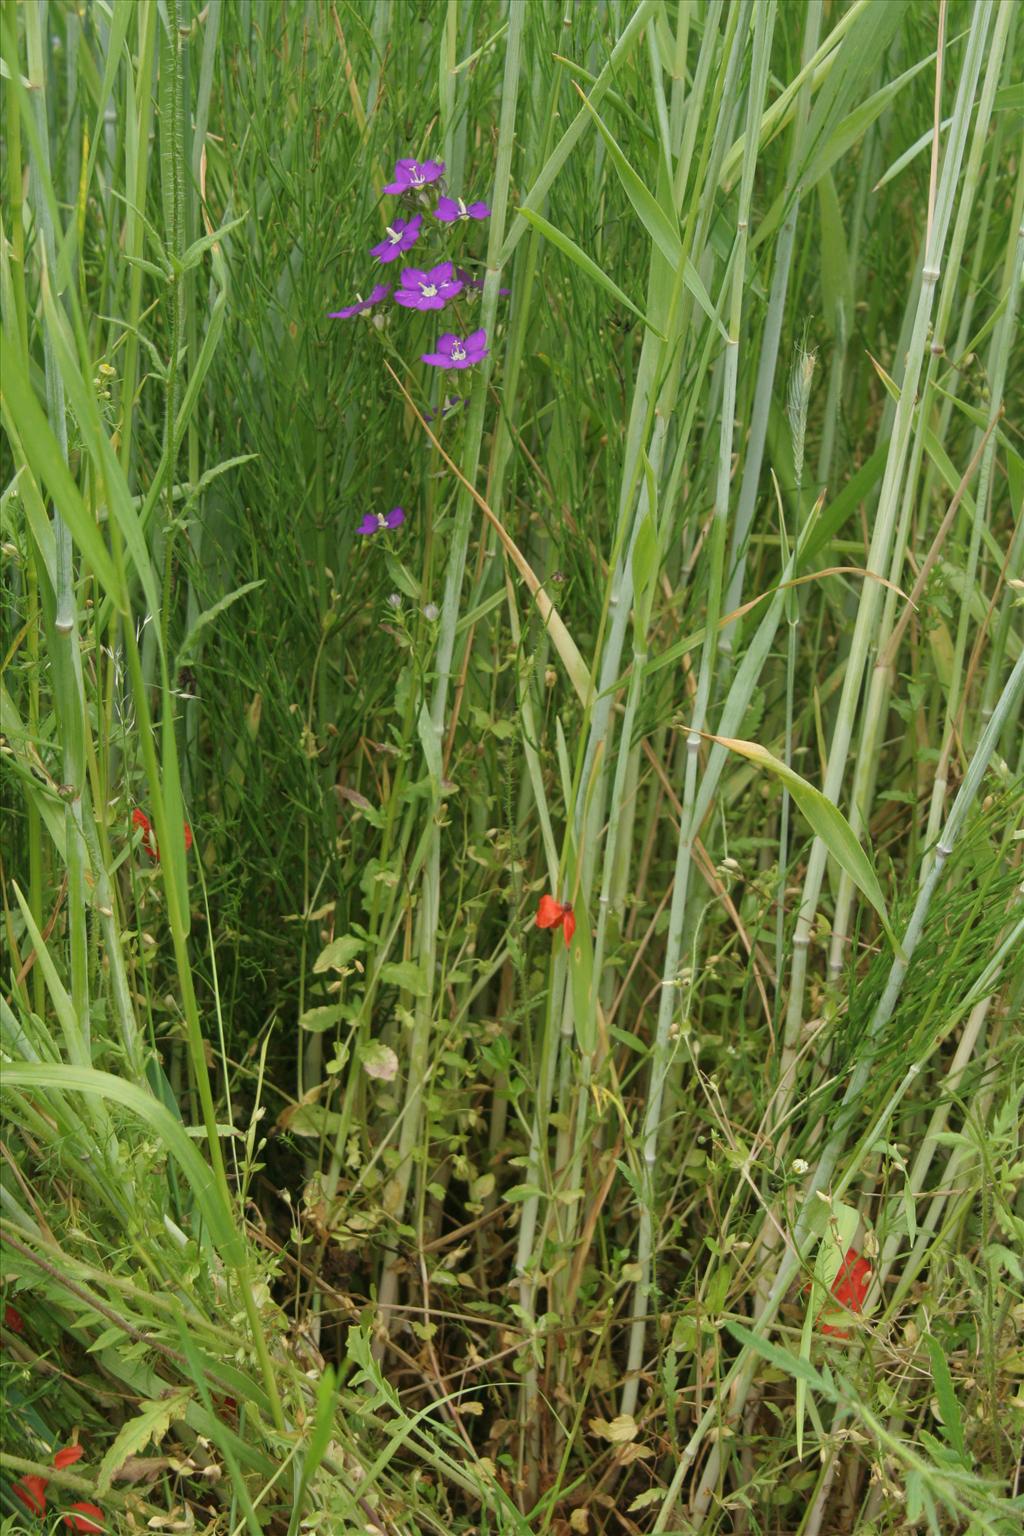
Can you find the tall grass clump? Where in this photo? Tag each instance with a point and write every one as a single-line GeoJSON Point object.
{"type": "Point", "coordinates": [512, 767]}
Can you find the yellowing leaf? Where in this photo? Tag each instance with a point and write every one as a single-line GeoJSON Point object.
{"type": "Point", "coordinates": [618, 1431]}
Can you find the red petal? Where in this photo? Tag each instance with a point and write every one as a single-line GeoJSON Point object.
{"type": "Point", "coordinates": [549, 913]}
{"type": "Point", "coordinates": [67, 1456]}
{"type": "Point", "coordinates": [188, 837]}
{"type": "Point", "coordinates": [89, 1518]}
{"type": "Point", "coordinates": [140, 819]}
{"type": "Point", "coordinates": [13, 1319]}
{"type": "Point", "coordinates": [568, 925]}
{"type": "Point", "coordinates": [32, 1493]}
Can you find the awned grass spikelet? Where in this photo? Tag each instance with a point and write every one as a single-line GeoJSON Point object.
{"type": "Point", "coordinates": [512, 767]}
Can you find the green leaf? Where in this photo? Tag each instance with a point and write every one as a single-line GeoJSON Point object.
{"type": "Point", "coordinates": [836, 283]}
{"type": "Point", "coordinates": [405, 974]}
{"type": "Point", "coordinates": [945, 1393]}
{"type": "Point", "coordinates": [597, 274]}
{"type": "Point", "coordinates": [45, 462]}
{"type": "Point", "coordinates": [151, 1424]}
{"type": "Point", "coordinates": [645, 556]}
{"type": "Point", "coordinates": [198, 249]}
{"type": "Point", "coordinates": [338, 953]}
{"type": "Point", "coordinates": [209, 614]}
{"type": "Point", "coordinates": [316, 1020]}
{"type": "Point", "coordinates": [837, 1239]}
{"type": "Point", "coordinates": [661, 225]}
{"type": "Point", "coordinates": [800, 1370]}
{"type": "Point", "coordinates": [402, 577]}
{"type": "Point", "coordinates": [827, 822]}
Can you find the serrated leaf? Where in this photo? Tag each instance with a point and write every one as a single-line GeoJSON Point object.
{"type": "Point", "coordinates": [617, 1431]}
{"type": "Point", "coordinates": [151, 1424]}
{"type": "Point", "coordinates": [646, 1499]}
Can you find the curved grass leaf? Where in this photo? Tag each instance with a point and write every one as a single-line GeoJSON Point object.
{"type": "Point", "coordinates": [827, 822]}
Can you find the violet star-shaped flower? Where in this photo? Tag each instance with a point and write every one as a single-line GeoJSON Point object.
{"type": "Point", "coordinates": [453, 352]}
{"type": "Point", "coordinates": [377, 293]}
{"type": "Point", "coordinates": [451, 209]}
{"type": "Point", "coordinates": [378, 522]}
{"type": "Point", "coordinates": [427, 290]}
{"type": "Point", "coordinates": [400, 236]}
{"type": "Point", "coordinates": [412, 174]}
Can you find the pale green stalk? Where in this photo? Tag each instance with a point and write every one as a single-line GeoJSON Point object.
{"type": "Point", "coordinates": [764, 23]}
{"type": "Point", "coordinates": [880, 686]}
{"type": "Point", "coordinates": [65, 644]}
{"type": "Point", "coordinates": [880, 552]}
{"type": "Point", "coordinates": [1002, 343]}
{"type": "Point", "coordinates": [768, 353]}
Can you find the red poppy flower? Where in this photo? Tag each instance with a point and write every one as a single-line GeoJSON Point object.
{"type": "Point", "coordinates": [13, 1319]}
{"type": "Point", "coordinates": [32, 1493]}
{"type": "Point", "coordinates": [850, 1288]}
{"type": "Point", "coordinates": [67, 1456]}
{"type": "Point", "coordinates": [556, 914]}
{"type": "Point", "coordinates": [140, 819]}
{"type": "Point", "coordinates": [85, 1517]}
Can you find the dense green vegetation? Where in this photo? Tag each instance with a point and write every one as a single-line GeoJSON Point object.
{"type": "Point", "coordinates": [337, 1192]}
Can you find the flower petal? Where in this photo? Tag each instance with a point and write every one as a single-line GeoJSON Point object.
{"type": "Point", "coordinates": [568, 925]}
{"type": "Point", "coordinates": [85, 1518]}
{"type": "Point", "coordinates": [369, 524]}
{"type": "Point", "coordinates": [31, 1490]}
{"type": "Point", "coordinates": [395, 518]}
{"type": "Point", "coordinates": [549, 912]}
{"type": "Point", "coordinates": [67, 1456]}
{"type": "Point", "coordinates": [441, 274]}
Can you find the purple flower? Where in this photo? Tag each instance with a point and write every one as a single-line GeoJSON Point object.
{"type": "Point", "coordinates": [452, 352]}
{"type": "Point", "coordinates": [469, 281]}
{"type": "Point", "coordinates": [401, 235]}
{"type": "Point", "coordinates": [451, 209]}
{"type": "Point", "coordinates": [410, 175]}
{"type": "Point", "coordinates": [379, 292]}
{"type": "Point", "coordinates": [377, 522]}
{"type": "Point", "coordinates": [427, 290]}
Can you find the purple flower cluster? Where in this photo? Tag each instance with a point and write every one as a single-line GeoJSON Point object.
{"type": "Point", "coordinates": [429, 288]}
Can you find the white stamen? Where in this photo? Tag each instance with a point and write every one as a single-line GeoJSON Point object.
{"type": "Point", "coordinates": [463, 210]}
{"type": "Point", "coordinates": [428, 290]}
{"type": "Point", "coordinates": [382, 521]}
{"type": "Point", "coordinates": [458, 352]}
{"type": "Point", "coordinates": [393, 235]}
